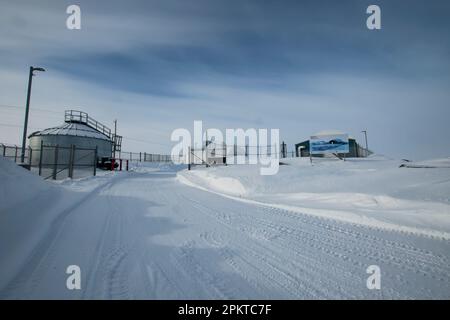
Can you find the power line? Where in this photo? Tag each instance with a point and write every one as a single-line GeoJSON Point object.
{"type": "Point", "coordinates": [22, 107]}
{"type": "Point", "coordinates": [125, 138]}
{"type": "Point", "coordinates": [5, 106]}
{"type": "Point", "coordinates": [17, 126]}
{"type": "Point", "coordinates": [59, 113]}
{"type": "Point", "coordinates": [38, 117]}
{"type": "Point", "coordinates": [146, 141]}
{"type": "Point", "coordinates": [9, 125]}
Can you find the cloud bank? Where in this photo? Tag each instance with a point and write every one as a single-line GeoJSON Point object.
{"type": "Point", "coordinates": [300, 66]}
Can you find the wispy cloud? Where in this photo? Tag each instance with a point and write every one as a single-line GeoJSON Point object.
{"type": "Point", "coordinates": [302, 66]}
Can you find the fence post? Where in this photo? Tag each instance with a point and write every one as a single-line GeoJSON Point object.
{"type": "Point", "coordinates": [55, 163]}
{"type": "Point", "coordinates": [224, 154]}
{"type": "Point", "coordinates": [4, 150]}
{"type": "Point", "coordinates": [140, 156]}
{"type": "Point", "coordinates": [189, 158]}
{"type": "Point", "coordinates": [127, 165]}
{"type": "Point", "coordinates": [40, 157]}
{"type": "Point", "coordinates": [120, 166]}
{"type": "Point", "coordinates": [30, 152]}
{"type": "Point", "coordinates": [95, 160]}
{"type": "Point", "coordinates": [15, 155]}
{"type": "Point", "coordinates": [71, 160]}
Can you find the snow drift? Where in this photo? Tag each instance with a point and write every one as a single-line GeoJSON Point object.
{"type": "Point", "coordinates": [374, 191]}
{"type": "Point", "coordinates": [20, 227]}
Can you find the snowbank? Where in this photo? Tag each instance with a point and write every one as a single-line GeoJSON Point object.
{"type": "Point", "coordinates": [145, 167]}
{"type": "Point", "coordinates": [17, 185]}
{"type": "Point", "coordinates": [211, 181]}
{"type": "Point", "coordinates": [434, 163]}
{"type": "Point", "coordinates": [25, 215]}
{"type": "Point", "coordinates": [374, 191]}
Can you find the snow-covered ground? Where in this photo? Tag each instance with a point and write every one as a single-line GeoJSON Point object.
{"type": "Point", "coordinates": [374, 191]}
{"type": "Point", "coordinates": [147, 234]}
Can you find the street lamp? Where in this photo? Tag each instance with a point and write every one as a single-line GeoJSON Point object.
{"type": "Point", "coordinates": [27, 109]}
{"type": "Point", "coordinates": [365, 134]}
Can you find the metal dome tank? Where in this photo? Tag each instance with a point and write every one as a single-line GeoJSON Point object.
{"type": "Point", "coordinates": [79, 130]}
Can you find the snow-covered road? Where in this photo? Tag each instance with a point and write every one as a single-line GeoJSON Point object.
{"type": "Point", "coordinates": [146, 235]}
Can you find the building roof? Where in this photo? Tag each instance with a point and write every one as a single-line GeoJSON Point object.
{"type": "Point", "coordinates": [331, 133]}
{"type": "Point", "coordinates": [72, 129]}
{"type": "Point", "coordinates": [328, 133]}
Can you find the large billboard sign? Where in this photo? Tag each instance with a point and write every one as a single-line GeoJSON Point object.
{"type": "Point", "coordinates": [336, 143]}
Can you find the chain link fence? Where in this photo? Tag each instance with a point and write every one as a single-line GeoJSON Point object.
{"type": "Point", "coordinates": [59, 162]}
{"type": "Point", "coordinates": [14, 153]}
{"type": "Point", "coordinates": [213, 154]}
{"type": "Point", "coordinates": [55, 162]}
{"type": "Point", "coordinates": [217, 154]}
{"type": "Point", "coordinates": [145, 157]}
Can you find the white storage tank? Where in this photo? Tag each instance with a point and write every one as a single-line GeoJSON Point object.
{"type": "Point", "coordinates": [79, 130]}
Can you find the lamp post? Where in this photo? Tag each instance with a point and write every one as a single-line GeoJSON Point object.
{"type": "Point", "coordinates": [365, 135]}
{"type": "Point", "coordinates": [27, 109]}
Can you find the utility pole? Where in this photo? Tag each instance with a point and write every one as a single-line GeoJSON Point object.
{"type": "Point", "coordinates": [27, 110]}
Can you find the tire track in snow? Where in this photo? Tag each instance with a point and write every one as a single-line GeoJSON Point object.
{"type": "Point", "coordinates": [276, 254]}
{"type": "Point", "coordinates": [113, 251]}
{"type": "Point", "coordinates": [300, 280]}
{"type": "Point", "coordinates": [354, 236]}
{"type": "Point", "coordinates": [230, 249]}
{"type": "Point", "coordinates": [30, 275]}
{"type": "Point", "coordinates": [411, 258]}
{"type": "Point", "coordinates": [363, 250]}
{"type": "Point", "coordinates": [403, 256]}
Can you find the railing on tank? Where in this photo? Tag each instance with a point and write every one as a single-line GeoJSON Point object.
{"type": "Point", "coordinates": [83, 117]}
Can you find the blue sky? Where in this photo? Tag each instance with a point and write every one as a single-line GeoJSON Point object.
{"type": "Point", "coordinates": [300, 66]}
